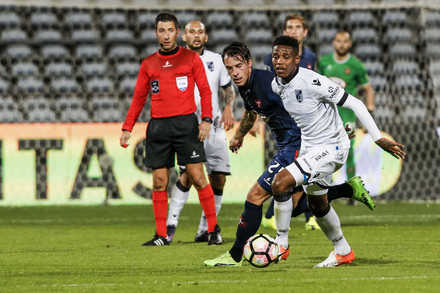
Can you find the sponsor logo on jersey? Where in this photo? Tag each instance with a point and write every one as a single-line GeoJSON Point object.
{"type": "Point", "coordinates": [316, 82]}
{"type": "Point", "coordinates": [182, 83]}
{"type": "Point", "coordinates": [299, 95]}
{"type": "Point", "coordinates": [210, 65]}
{"type": "Point", "coordinates": [194, 155]}
{"type": "Point", "coordinates": [258, 102]}
{"type": "Point", "coordinates": [320, 156]}
{"type": "Point", "coordinates": [155, 86]}
{"type": "Point", "coordinates": [167, 64]}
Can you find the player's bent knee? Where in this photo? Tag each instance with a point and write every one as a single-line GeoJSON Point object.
{"type": "Point", "coordinates": [160, 183]}
{"type": "Point", "coordinates": [282, 183]}
{"type": "Point", "coordinates": [318, 205]}
{"type": "Point", "coordinates": [217, 180]}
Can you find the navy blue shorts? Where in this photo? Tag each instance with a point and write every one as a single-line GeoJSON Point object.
{"type": "Point", "coordinates": [282, 158]}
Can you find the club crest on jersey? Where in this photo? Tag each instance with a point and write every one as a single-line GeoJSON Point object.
{"type": "Point", "coordinates": [155, 86]}
{"type": "Point", "coordinates": [258, 102]}
{"type": "Point", "coordinates": [182, 83]}
{"type": "Point", "coordinates": [299, 95]}
{"type": "Point", "coordinates": [210, 65]}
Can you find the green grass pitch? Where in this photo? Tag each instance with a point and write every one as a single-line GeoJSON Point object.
{"type": "Point", "coordinates": [98, 249]}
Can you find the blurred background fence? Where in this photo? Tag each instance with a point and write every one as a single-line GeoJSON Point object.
{"type": "Point", "coordinates": [65, 64]}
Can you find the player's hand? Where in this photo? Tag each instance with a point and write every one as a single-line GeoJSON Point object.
{"type": "Point", "coordinates": [228, 118]}
{"type": "Point", "coordinates": [392, 147]}
{"type": "Point", "coordinates": [350, 131]}
{"type": "Point", "coordinates": [125, 136]}
{"type": "Point", "coordinates": [204, 128]}
{"type": "Point", "coordinates": [236, 143]}
{"type": "Point", "coordinates": [255, 130]}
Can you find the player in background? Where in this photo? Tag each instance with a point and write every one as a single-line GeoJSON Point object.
{"type": "Point", "coordinates": [216, 150]}
{"type": "Point", "coordinates": [295, 26]}
{"type": "Point", "coordinates": [259, 99]}
{"type": "Point", "coordinates": [350, 74]}
{"type": "Point", "coordinates": [171, 74]}
{"type": "Point", "coordinates": [311, 99]}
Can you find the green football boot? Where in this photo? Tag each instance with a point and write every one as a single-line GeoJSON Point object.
{"type": "Point", "coordinates": [360, 193]}
{"type": "Point", "coordinates": [269, 223]}
{"type": "Point", "coordinates": [223, 260]}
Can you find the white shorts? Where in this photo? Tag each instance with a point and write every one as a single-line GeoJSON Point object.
{"type": "Point", "coordinates": [314, 167]}
{"type": "Point", "coordinates": [216, 150]}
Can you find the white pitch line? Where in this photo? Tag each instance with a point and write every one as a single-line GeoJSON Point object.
{"type": "Point", "coordinates": [219, 281]}
{"type": "Point", "coordinates": [397, 278]}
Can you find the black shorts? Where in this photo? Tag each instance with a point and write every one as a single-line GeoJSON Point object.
{"type": "Point", "coordinates": [171, 135]}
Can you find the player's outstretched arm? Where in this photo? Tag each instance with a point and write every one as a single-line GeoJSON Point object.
{"type": "Point", "coordinates": [394, 148]}
{"type": "Point", "coordinates": [228, 116]}
{"type": "Point", "coordinates": [245, 125]}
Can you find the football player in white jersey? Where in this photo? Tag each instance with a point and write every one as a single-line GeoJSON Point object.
{"type": "Point", "coordinates": [311, 99]}
{"type": "Point", "coordinates": [217, 156]}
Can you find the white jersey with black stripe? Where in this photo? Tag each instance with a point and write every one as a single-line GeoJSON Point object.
{"type": "Point", "coordinates": [217, 77]}
{"type": "Point", "coordinates": [311, 99]}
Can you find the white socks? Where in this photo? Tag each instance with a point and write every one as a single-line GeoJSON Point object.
{"type": "Point", "coordinates": [178, 200]}
{"type": "Point", "coordinates": [203, 226]}
{"type": "Point", "coordinates": [283, 214]}
{"type": "Point", "coordinates": [331, 226]}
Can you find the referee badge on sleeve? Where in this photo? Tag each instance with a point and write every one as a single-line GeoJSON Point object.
{"type": "Point", "coordinates": [182, 83]}
{"type": "Point", "coordinates": [155, 86]}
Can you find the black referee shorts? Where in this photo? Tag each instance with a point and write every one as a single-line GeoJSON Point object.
{"type": "Point", "coordinates": [173, 135]}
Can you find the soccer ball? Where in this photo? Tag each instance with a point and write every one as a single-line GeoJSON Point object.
{"type": "Point", "coordinates": [261, 250]}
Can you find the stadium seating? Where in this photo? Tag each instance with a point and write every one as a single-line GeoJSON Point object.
{"type": "Point", "coordinates": [58, 69]}
{"type": "Point", "coordinates": [9, 110]}
{"type": "Point", "coordinates": [55, 52]}
{"type": "Point", "coordinates": [71, 109]}
{"type": "Point", "coordinates": [64, 85]}
{"type": "Point", "coordinates": [9, 19]}
{"type": "Point", "coordinates": [77, 19]}
{"type": "Point", "coordinates": [361, 18]}
{"type": "Point", "coordinates": [83, 53]}
{"type": "Point", "coordinates": [42, 18]}
{"type": "Point", "coordinates": [18, 52]}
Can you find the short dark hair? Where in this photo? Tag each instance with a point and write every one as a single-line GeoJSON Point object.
{"type": "Point", "coordinates": [287, 41]}
{"type": "Point", "coordinates": [166, 16]}
{"type": "Point", "coordinates": [237, 49]}
{"type": "Point", "coordinates": [297, 17]}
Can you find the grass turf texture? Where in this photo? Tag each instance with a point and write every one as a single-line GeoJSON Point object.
{"type": "Point", "coordinates": [98, 249]}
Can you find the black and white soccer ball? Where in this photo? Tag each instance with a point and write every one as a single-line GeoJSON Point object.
{"type": "Point", "coordinates": [261, 250]}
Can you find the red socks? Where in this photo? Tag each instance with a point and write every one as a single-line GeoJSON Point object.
{"type": "Point", "coordinates": [206, 197]}
{"type": "Point", "coordinates": [160, 208]}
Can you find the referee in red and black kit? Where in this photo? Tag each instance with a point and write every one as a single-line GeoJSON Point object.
{"type": "Point", "coordinates": [170, 75]}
